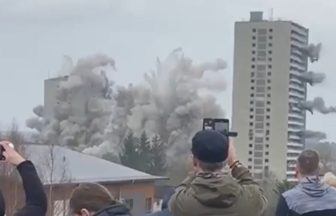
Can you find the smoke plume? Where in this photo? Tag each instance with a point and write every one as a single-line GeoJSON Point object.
{"type": "Point", "coordinates": [95, 116]}
{"type": "Point", "coordinates": [82, 106]}
{"type": "Point", "coordinates": [313, 78]}
{"type": "Point", "coordinates": [312, 51]}
{"type": "Point", "coordinates": [170, 103]}
{"type": "Point", "coordinates": [317, 104]}
{"type": "Point", "coordinates": [311, 137]}
{"type": "Point", "coordinates": [309, 134]}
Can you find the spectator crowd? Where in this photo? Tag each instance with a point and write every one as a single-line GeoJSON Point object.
{"type": "Point", "coordinates": [207, 191]}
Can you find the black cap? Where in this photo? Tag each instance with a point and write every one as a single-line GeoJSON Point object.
{"type": "Point", "coordinates": [210, 146]}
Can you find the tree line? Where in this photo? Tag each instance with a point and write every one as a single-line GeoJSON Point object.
{"type": "Point", "coordinates": [144, 153]}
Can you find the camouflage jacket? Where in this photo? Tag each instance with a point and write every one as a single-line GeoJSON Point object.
{"type": "Point", "coordinates": [218, 194]}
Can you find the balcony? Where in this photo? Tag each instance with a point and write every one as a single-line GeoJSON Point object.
{"type": "Point", "coordinates": [298, 88]}
{"type": "Point", "coordinates": [300, 96]}
{"type": "Point", "coordinates": [296, 73]}
{"type": "Point", "coordinates": [291, 158]}
{"type": "Point", "coordinates": [294, 101]}
{"type": "Point", "coordinates": [293, 136]}
{"type": "Point", "coordinates": [297, 126]}
{"type": "Point", "coordinates": [298, 54]}
{"type": "Point", "coordinates": [296, 145]}
{"type": "Point", "coordinates": [294, 151]}
{"type": "Point", "coordinates": [294, 130]}
{"type": "Point", "coordinates": [299, 66]}
{"type": "Point", "coordinates": [294, 124]}
{"type": "Point", "coordinates": [295, 115]}
{"type": "Point", "coordinates": [297, 41]}
{"type": "Point", "coordinates": [298, 34]}
{"type": "Point", "coordinates": [302, 38]}
{"type": "Point", "coordinates": [291, 165]}
{"type": "Point", "coordinates": [290, 172]}
{"type": "Point", "coordinates": [296, 80]}
{"type": "Point", "coordinates": [296, 58]}
{"type": "Point", "coordinates": [299, 149]}
{"type": "Point", "coordinates": [296, 111]}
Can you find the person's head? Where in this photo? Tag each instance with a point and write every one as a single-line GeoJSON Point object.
{"type": "Point", "coordinates": [88, 198]}
{"type": "Point", "coordinates": [308, 163]}
{"type": "Point", "coordinates": [330, 179]}
{"type": "Point", "coordinates": [210, 150]}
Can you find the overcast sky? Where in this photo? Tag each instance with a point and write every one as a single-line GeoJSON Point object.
{"type": "Point", "coordinates": [35, 34]}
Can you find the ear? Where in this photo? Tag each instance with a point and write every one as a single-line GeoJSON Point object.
{"type": "Point", "coordinates": [85, 212]}
{"type": "Point", "coordinates": [195, 162]}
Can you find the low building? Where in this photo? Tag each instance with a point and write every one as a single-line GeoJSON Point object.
{"type": "Point", "coordinates": [62, 169]}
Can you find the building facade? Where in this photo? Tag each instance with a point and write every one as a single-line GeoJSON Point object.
{"type": "Point", "coordinates": [268, 64]}
{"type": "Point", "coordinates": [75, 98]}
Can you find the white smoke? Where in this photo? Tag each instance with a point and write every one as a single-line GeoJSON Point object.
{"type": "Point", "coordinates": [83, 107]}
{"type": "Point", "coordinates": [169, 103]}
{"type": "Point", "coordinates": [309, 134]}
{"type": "Point", "coordinates": [38, 111]}
{"type": "Point", "coordinates": [67, 66]}
{"type": "Point", "coordinates": [317, 104]}
{"type": "Point", "coordinates": [312, 51]}
{"type": "Point", "coordinates": [312, 78]}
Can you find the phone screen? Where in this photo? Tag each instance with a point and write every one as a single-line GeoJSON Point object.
{"type": "Point", "coordinates": [222, 126]}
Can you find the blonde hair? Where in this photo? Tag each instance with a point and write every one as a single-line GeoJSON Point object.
{"type": "Point", "coordinates": [330, 179]}
{"type": "Point", "coordinates": [90, 196]}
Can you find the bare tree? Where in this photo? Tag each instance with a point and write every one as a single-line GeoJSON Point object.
{"type": "Point", "coordinates": [54, 170]}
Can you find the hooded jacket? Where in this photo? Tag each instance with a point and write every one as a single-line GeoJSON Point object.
{"type": "Point", "coordinates": [114, 210]}
{"type": "Point", "coordinates": [217, 194]}
{"type": "Point", "coordinates": [311, 197]}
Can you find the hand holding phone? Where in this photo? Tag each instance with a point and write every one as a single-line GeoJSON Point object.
{"type": "Point", "coordinates": [8, 153]}
{"type": "Point", "coordinates": [232, 156]}
{"type": "Point", "coordinates": [220, 125]}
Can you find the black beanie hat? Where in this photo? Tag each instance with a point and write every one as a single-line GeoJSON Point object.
{"type": "Point", "coordinates": [210, 146]}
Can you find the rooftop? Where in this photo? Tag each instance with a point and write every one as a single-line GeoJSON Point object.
{"type": "Point", "coordinates": [258, 17]}
{"type": "Point", "coordinates": [70, 166]}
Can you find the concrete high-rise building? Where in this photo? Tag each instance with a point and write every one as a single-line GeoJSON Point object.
{"type": "Point", "coordinates": [78, 98]}
{"type": "Point", "coordinates": [51, 87]}
{"type": "Point", "coordinates": [267, 90]}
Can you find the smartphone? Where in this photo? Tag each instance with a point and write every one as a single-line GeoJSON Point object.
{"type": "Point", "coordinates": [220, 125]}
{"type": "Point", "coordinates": [2, 157]}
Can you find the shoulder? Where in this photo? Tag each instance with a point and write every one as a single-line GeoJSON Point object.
{"type": "Point", "coordinates": [332, 190]}
{"type": "Point", "coordinates": [30, 210]}
{"type": "Point", "coordinates": [292, 192]}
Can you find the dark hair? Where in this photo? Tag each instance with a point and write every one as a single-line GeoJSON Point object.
{"type": "Point", "coordinates": [90, 196]}
{"type": "Point", "coordinates": [308, 162]}
{"type": "Point", "coordinates": [211, 167]}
